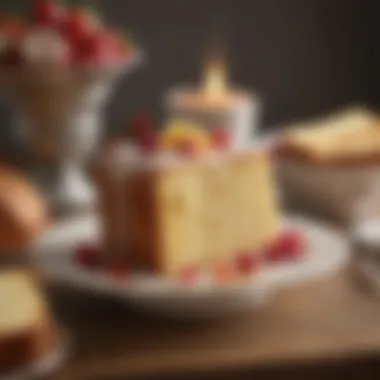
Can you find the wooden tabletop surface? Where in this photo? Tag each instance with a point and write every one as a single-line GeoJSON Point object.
{"type": "Point", "coordinates": [321, 320]}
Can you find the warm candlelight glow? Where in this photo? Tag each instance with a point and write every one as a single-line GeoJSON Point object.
{"type": "Point", "coordinates": [215, 82]}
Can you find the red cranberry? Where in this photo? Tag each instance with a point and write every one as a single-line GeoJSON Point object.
{"type": "Point", "coordinates": [148, 142]}
{"type": "Point", "coordinates": [247, 262]}
{"type": "Point", "coordinates": [221, 138]}
{"type": "Point", "coordinates": [119, 271]}
{"type": "Point", "coordinates": [48, 13]}
{"type": "Point", "coordinates": [187, 148]}
{"type": "Point", "coordinates": [140, 125]}
{"type": "Point", "coordinates": [116, 49]}
{"type": "Point", "coordinates": [88, 50]}
{"type": "Point", "coordinates": [79, 24]}
{"type": "Point", "coordinates": [189, 276]}
{"type": "Point", "coordinates": [289, 246]}
{"type": "Point", "coordinates": [223, 271]}
{"type": "Point", "coordinates": [87, 256]}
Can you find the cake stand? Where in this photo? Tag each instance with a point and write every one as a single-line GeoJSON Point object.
{"type": "Point", "coordinates": [327, 252]}
{"type": "Point", "coordinates": [58, 126]}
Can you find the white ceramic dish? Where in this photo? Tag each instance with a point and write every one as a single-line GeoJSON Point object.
{"type": "Point", "coordinates": [327, 252]}
{"type": "Point", "coordinates": [334, 191]}
{"type": "Point", "coordinates": [366, 235]}
{"type": "Point", "coordinates": [45, 367]}
{"type": "Point", "coordinates": [337, 192]}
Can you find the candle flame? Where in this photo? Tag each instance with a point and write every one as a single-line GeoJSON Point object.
{"type": "Point", "coordinates": [215, 82]}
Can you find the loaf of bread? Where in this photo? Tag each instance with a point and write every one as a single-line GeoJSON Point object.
{"type": "Point", "coordinates": [345, 138]}
{"type": "Point", "coordinates": [23, 213]}
{"type": "Point", "coordinates": [26, 334]}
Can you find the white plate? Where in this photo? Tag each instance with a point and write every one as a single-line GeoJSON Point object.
{"type": "Point", "coordinates": [327, 252]}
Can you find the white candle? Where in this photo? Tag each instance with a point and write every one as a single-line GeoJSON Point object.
{"type": "Point", "coordinates": [216, 106]}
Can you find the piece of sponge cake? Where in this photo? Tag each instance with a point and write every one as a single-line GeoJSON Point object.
{"type": "Point", "coordinates": [181, 213]}
{"type": "Point", "coordinates": [25, 326]}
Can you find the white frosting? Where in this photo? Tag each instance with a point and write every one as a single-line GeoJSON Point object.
{"type": "Point", "coordinates": [127, 157]}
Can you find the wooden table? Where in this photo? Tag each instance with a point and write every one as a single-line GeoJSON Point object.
{"type": "Point", "coordinates": [322, 321]}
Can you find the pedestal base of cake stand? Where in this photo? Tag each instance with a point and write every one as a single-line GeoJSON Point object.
{"type": "Point", "coordinates": [67, 191]}
{"type": "Point", "coordinates": [73, 191]}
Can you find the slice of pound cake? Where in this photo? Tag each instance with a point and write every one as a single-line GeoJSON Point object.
{"type": "Point", "coordinates": [25, 326]}
{"type": "Point", "coordinates": [186, 205]}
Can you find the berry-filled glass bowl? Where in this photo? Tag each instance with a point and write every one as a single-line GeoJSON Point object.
{"type": "Point", "coordinates": [59, 67]}
{"type": "Point", "coordinates": [69, 255]}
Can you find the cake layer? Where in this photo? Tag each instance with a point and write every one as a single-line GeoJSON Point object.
{"type": "Point", "coordinates": [188, 213]}
{"type": "Point", "coordinates": [25, 326]}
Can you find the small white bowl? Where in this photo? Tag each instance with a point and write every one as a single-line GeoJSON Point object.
{"type": "Point", "coordinates": [338, 192]}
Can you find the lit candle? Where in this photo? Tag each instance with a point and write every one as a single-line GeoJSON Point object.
{"type": "Point", "coordinates": [215, 105]}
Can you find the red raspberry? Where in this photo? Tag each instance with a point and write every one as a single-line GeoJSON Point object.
{"type": "Point", "coordinates": [87, 256]}
{"type": "Point", "coordinates": [223, 272]}
{"type": "Point", "coordinates": [88, 50]}
{"type": "Point", "coordinates": [79, 24]}
{"type": "Point", "coordinates": [115, 48]}
{"type": "Point", "coordinates": [247, 263]}
{"type": "Point", "coordinates": [189, 276]}
{"type": "Point", "coordinates": [140, 125]}
{"type": "Point", "coordinates": [187, 148]}
{"type": "Point", "coordinates": [120, 271]}
{"type": "Point", "coordinates": [289, 246]}
{"type": "Point", "coordinates": [48, 13]}
{"type": "Point", "coordinates": [221, 138]}
{"type": "Point", "coordinates": [148, 142]}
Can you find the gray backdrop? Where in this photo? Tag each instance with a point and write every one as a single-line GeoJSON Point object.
{"type": "Point", "coordinates": [302, 56]}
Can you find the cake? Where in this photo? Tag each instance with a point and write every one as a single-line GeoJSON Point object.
{"type": "Point", "coordinates": [23, 214]}
{"type": "Point", "coordinates": [25, 326]}
{"type": "Point", "coordinates": [350, 137]}
{"type": "Point", "coordinates": [182, 199]}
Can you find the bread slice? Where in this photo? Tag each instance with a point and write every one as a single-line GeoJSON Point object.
{"type": "Point", "coordinates": [25, 327]}
{"type": "Point", "coordinates": [23, 213]}
{"type": "Point", "coordinates": [348, 137]}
